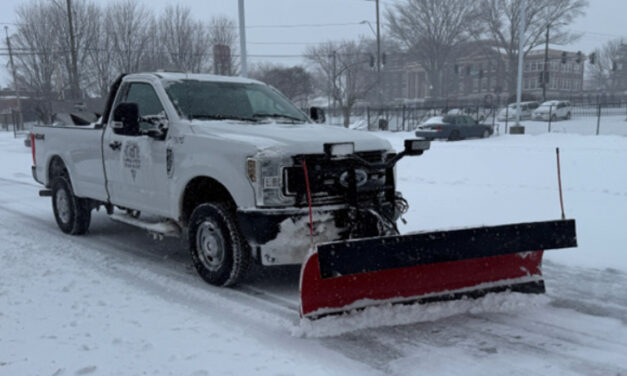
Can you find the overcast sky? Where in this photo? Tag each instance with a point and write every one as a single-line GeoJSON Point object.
{"type": "Point", "coordinates": [604, 20]}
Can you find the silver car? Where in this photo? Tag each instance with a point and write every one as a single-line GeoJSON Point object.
{"type": "Point", "coordinates": [526, 109]}
{"type": "Point", "coordinates": [553, 110]}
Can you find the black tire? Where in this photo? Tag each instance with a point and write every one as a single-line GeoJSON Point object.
{"type": "Point", "coordinates": [220, 254]}
{"type": "Point", "coordinates": [485, 134]}
{"type": "Point", "coordinates": [73, 214]}
{"type": "Point", "coordinates": [568, 116]}
{"type": "Point", "coordinates": [454, 136]}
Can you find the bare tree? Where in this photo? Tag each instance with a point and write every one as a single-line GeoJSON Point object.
{"type": "Point", "coordinates": [501, 20]}
{"type": "Point", "coordinates": [431, 31]}
{"type": "Point", "coordinates": [186, 41]}
{"type": "Point", "coordinates": [345, 65]}
{"type": "Point", "coordinates": [295, 82]}
{"type": "Point", "coordinates": [37, 55]}
{"type": "Point", "coordinates": [86, 23]}
{"type": "Point", "coordinates": [223, 38]}
{"type": "Point", "coordinates": [609, 71]}
{"type": "Point", "coordinates": [130, 27]}
{"type": "Point", "coordinates": [99, 64]}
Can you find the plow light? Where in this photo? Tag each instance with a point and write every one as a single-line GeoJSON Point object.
{"type": "Point", "coordinates": [339, 150]}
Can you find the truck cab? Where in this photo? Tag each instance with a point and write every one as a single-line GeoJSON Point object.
{"type": "Point", "coordinates": [221, 160]}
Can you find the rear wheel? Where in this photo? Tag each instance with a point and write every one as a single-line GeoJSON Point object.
{"type": "Point", "coordinates": [73, 214]}
{"type": "Point", "coordinates": [568, 116]}
{"type": "Point", "coordinates": [219, 252]}
{"type": "Point", "coordinates": [486, 134]}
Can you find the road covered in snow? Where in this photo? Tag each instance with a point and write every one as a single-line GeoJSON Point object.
{"type": "Point", "coordinates": [117, 301]}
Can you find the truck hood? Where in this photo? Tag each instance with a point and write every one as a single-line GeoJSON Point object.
{"type": "Point", "coordinates": [288, 138]}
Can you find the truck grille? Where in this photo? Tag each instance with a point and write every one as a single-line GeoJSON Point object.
{"type": "Point", "coordinates": [328, 179]}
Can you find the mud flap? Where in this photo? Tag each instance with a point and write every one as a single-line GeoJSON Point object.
{"type": "Point", "coordinates": [423, 267]}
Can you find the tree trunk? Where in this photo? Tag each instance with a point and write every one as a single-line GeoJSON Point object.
{"type": "Point", "coordinates": [346, 112]}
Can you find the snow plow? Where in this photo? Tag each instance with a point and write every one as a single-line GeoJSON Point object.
{"type": "Point", "coordinates": [422, 267]}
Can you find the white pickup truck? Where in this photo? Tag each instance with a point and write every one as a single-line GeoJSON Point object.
{"type": "Point", "coordinates": [224, 161]}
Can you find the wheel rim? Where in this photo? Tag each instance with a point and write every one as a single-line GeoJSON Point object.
{"type": "Point", "coordinates": [210, 245]}
{"type": "Point", "coordinates": [63, 205]}
{"type": "Point", "coordinates": [486, 134]}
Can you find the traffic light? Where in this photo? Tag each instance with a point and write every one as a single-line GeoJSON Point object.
{"type": "Point", "coordinates": [456, 69]}
{"type": "Point", "coordinates": [543, 78]}
{"type": "Point", "coordinates": [564, 57]}
{"type": "Point", "coordinates": [614, 66]}
{"type": "Point", "coordinates": [372, 61]}
{"type": "Point", "coordinates": [593, 58]}
{"type": "Point", "coordinates": [384, 58]}
{"type": "Point", "coordinates": [579, 57]}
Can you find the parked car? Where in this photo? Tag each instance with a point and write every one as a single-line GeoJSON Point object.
{"type": "Point", "coordinates": [553, 110]}
{"type": "Point", "coordinates": [453, 127]}
{"type": "Point", "coordinates": [526, 110]}
{"type": "Point", "coordinates": [479, 114]}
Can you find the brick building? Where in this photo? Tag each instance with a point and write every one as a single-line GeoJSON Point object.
{"type": "Point", "coordinates": [482, 73]}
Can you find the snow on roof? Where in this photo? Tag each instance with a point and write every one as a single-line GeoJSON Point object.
{"type": "Point", "coordinates": [176, 76]}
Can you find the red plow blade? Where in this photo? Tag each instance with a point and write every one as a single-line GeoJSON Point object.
{"type": "Point", "coordinates": [424, 267]}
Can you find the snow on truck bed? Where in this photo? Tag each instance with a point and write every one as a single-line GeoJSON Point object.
{"type": "Point", "coordinates": [118, 302]}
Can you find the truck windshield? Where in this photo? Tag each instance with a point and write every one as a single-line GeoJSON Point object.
{"type": "Point", "coordinates": [195, 99]}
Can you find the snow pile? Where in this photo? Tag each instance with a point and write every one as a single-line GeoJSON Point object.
{"type": "Point", "coordinates": [390, 315]}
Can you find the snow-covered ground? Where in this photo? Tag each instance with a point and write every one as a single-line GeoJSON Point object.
{"type": "Point", "coordinates": [118, 302]}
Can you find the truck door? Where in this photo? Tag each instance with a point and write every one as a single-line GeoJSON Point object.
{"type": "Point", "coordinates": [135, 165]}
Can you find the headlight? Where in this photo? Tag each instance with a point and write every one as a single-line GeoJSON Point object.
{"type": "Point", "coordinates": [265, 172]}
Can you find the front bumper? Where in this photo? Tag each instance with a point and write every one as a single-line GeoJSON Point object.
{"type": "Point", "coordinates": [282, 236]}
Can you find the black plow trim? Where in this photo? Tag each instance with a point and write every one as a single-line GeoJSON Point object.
{"type": "Point", "coordinates": [374, 254]}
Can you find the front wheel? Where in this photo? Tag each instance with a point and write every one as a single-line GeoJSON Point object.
{"type": "Point", "coordinates": [486, 134]}
{"type": "Point", "coordinates": [219, 252]}
{"type": "Point", "coordinates": [73, 214]}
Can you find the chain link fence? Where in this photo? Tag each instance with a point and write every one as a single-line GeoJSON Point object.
{"type": "Point", "coordinates": [579, 118]}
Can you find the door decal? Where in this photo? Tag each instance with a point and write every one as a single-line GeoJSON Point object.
{"type": "Point", "coordinates": [132, 159]}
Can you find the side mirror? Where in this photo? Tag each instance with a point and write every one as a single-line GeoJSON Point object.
{"type": "Point", "coordinates": [416, 146]}
{"type": "Point", "coordinates": [317, 115]}
{"type": "Point", "coordinates": [126, 119]}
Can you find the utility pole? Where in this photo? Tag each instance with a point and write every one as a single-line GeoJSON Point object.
{"type": "Point", "coordinates": [545, 74]}
{"type": "Point", "coordinates": [75, 88]}
{"type": "Point", "coordinates": [379, 80]}
{"type": "Point", "coordinates": [242, 40]}
{"type": "Point", "coordinates": [378, 40]}
{"type": "Point", "coordinates": [521, 45]}
{"type": "Point", "coordinates": [333, 82]}
{"type": "Point", "coordinates": [16, 87]}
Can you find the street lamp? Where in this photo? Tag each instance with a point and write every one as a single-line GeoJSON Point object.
{"type": "Point", "coordinates": [366, 22]}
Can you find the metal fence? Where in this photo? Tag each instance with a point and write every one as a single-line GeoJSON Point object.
{"type": "Point", "coordinates": [583, 118]}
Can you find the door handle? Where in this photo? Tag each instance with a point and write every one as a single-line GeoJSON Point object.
{"type": "Point", "coordinates": [115, 145]}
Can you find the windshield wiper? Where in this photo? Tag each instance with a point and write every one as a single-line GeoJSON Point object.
{"type": "Point", "coordinates": [220, 117]}
{"type": "Point", "coordinates": [276, 115]}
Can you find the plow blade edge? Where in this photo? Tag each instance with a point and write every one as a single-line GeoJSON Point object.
{"type": "Point", "coordinates": [424, 267]}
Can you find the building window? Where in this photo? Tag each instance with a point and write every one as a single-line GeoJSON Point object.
{"type": "Point", "coordinates": [412, 85]}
